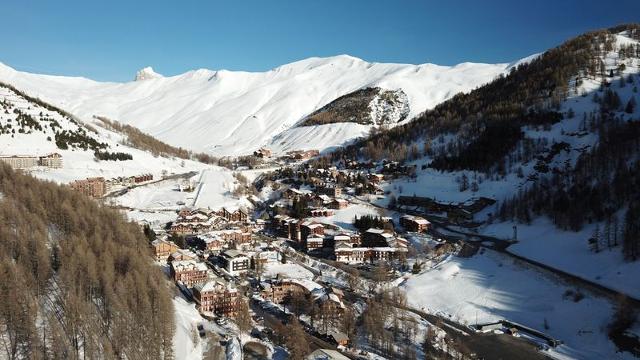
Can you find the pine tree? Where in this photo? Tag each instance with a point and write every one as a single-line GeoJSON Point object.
{"type": "Point", "coordinates": [607, 233]}
{"type": "Point", "coordinates": [594, 242]}
{"type": "Point", "coordinates": [615, 230]}
{"type": "Point", "coordinates": [631, 237]}
{"type": "Point", "coordinates": [631, 106]}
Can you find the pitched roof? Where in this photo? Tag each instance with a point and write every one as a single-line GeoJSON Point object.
{"type": "Point", "coordinates": [326, 354]}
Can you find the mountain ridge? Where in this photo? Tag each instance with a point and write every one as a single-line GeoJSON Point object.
{"type": "Point", "coordinates": [232, 113]}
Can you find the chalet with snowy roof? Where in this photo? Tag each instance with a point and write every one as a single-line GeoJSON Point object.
{"type": "Point", "coordinates": [212, 242]}
{"type": "Point", "coordinates": [197, 221]}
{"type": "Point", "coordinates": [349, 254]}
{"type": "Point", "coordinates": [237, 215]}
{"type": "Point", "coordinates": [326, 354]}
{"type": "Point", "coordinates": [314, 243]}
{"type": "Point", "coordinates": [415, 223]}
{"type": "Point", "coordinates": [189, 272]}
{"type": "Point", "coordinates": [266, 257]}
{"type": "Point", "coordinates": [351, 238]}
{"type": "Point", "coordinates": [377, 245]}
{"type": "Point", "coordinates": [339, 338]}
{"type": "Point", "coordinates": [310, 228]}
{"type": "Point", "coordinates": [330, 301]}
{"type": "Point", "coordinates": [295, 194]}
{"type": "Point", "coordinates": [339, 204]}
{"type": "Point", "coordinates": [287, 227]}
{"type": "Point", "coordinates": [182, 254]}
{"type": "Point", "coordinates": [316, 182]}
{"type": "Point", "coordinates": [217, 297]}
{"type": "Point", "coordinates": [376, 237]}
{"type": "Point", "coordinates": [259, 224]}
{"type": "Point", "coordinates": [280, 290]}
{"type": "Point", "coordinates": [302, 154]}
{"type": "Point", "coordinates": [236, 235]}
{"type": "Point", "coordinates": [162, 249]}
{"type": "Point", "coordinates": [318, 201]}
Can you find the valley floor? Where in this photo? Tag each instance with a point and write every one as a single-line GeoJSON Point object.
{"type": "Point", "coordinates": [489, 287]}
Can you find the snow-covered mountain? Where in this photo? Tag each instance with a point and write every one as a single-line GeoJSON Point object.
{"type": "Point", "coordinates": [234, 112]}
{"type": "Point", "coordinates": [146, 74]}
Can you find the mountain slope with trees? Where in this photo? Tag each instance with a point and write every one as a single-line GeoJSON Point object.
{"type": "Point", "coordinates": [78, 279]}
{"type": "Point", "coordinates": [566, 123]}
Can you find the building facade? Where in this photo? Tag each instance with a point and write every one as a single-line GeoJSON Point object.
{"type": "Point", "coordinates": [162, 249]}
{"type": "Point", "coordinates": [415, 223]}
{"type": "Point", "coordinates": [217, 297]}
{"type": "Point", "coordinates": [94, 187]}
{"type": "Point", "coordinates": [189, 272]}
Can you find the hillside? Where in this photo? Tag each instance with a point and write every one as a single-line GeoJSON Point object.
{"type": "Point", "coordinates": [555, 142]}
{"type": "Point", "coordinates": [232, 113]}
{"type": "Point", "coordinates": [29, 126]}
{"type": "Point", "coordinates": [78, 280]}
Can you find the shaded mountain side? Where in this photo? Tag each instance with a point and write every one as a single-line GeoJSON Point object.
{"type": "Point", "coordinates": [78, 279]}
{"type": "Point", "coordinates": [368, 106]}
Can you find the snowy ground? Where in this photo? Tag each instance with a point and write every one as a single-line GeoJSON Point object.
{"type": "Point", "coordinates": [344, 218]}
{"type": "Point", "coordinates": [215, 190]}
{"type": "Point", "coordinates": [157, 203]}
{"type": "Point", "coordinates": [159, 196]}
{"type": "Point", "coordinates": [489, 287]}
{"type": "Point", "coordinates": [568, 251]}
{"type": "Point", "coordinates": [289, 270]}
{"type": "Point", "coordinates": [187, 319]}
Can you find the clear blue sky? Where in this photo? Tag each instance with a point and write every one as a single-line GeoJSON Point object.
{"type": "Point", "coordinates": [110, 40]}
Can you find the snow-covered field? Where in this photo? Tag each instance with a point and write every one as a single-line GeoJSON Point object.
{"type": "Point", "coordinates": [569, 251]}
{"type": "Point", "coordinates": [233, 112]}
{"type": "Point", "coordinates": [489, 287]}
{"type": "Point", "coordinates": [289, 270]}
{"type": "Point", "coordinates": [215, 190]}
{"type": "Point", "coordinates": [161, 196]}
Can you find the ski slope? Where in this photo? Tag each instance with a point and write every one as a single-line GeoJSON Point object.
{"type": "Point", "coordinates": [234, 112]}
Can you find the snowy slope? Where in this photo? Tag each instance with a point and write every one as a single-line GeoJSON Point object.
{"type": "Point", "coordinates": [77, 163]}
{"type": "Point", "coordinates": [490, 287]}
{"type": "Point", "coordinates": [228, 113]}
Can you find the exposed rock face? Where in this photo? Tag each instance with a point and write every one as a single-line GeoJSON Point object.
{"type": "Point", "coordinates": [368, 106]}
